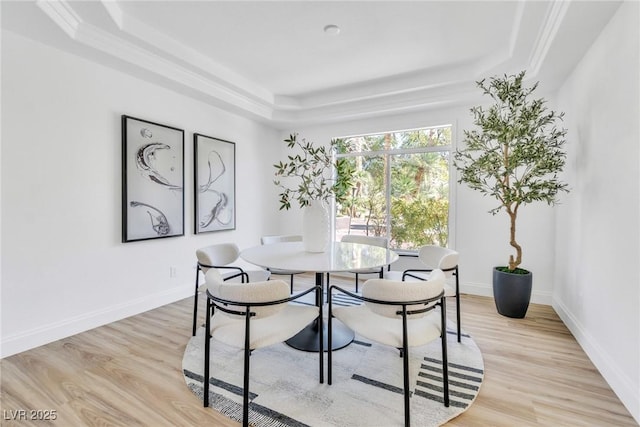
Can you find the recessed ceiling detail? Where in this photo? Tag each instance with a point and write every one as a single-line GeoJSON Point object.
{"type": "Point", "coordinates": [268, 61]}
{"type": "Point", "coordinates": [331, 29]}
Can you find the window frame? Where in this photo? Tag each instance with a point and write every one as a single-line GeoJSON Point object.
{"type": "Point", "coordinates": [451, 234]}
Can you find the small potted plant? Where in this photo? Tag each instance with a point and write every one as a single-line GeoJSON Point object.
{"type": "Point", "coordinates": [515, 156]}
{"type": "Point", "coordinates": [312, 177]}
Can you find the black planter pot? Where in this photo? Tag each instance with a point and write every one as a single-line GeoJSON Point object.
{"type": "Point", "coordinates": [512, 292]}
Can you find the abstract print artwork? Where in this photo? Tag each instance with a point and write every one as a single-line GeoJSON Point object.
{"type": "Point", "coordinates": [215, 184]}
{"type": "Point", "coordinates": [152, 180]}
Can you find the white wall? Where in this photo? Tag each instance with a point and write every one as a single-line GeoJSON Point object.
{"type": "Point", "coordinates": [481, 239]}
{"type": "Point", "coordinates": [597, 290]}
{"type": "Point", "coordinates": [65, 269]}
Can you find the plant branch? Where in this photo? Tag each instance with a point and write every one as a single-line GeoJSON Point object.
{"type": "Point", "coordinates": [306, 175]}
{"type": "Point", "coordinates": [516, 152]}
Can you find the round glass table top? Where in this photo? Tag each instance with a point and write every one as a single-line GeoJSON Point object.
{"type": "Point", "coordinates": [340, 256]}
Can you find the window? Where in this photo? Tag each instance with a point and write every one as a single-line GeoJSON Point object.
{"type": "Point", "coordinates": [401, 187]}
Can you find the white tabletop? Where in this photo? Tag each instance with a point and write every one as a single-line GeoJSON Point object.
{"type": "Point", "coordinates": [340, 256]}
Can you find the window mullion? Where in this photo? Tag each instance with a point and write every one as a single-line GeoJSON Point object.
{"type": "Point", "coordinates": [417, 150]}
{"type": "Point", "coordinates": [388, 197]}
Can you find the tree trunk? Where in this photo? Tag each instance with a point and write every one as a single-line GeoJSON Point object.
{"type": "Point", "coordinates": [513, 264]}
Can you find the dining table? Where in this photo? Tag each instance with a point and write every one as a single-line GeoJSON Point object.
{"type": "Point", "coordinates": [338, 257]}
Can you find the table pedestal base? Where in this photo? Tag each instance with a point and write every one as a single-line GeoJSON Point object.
{"type": "Point", "coordinates": [307, 339]}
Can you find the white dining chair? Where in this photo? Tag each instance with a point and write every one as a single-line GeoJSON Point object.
{"type": "Point", "coordinates": [366, 240]}
{"type": "Point", "coordinates": [252, 316]}
{"type": "Point", "coordinates": [432, 257]}
{"type": "Point", "coordinates": [398, 314]}
{"type": "Point", "coordinates": [267, 240]}
{"type": "Point", "coordinates": [222, 256]}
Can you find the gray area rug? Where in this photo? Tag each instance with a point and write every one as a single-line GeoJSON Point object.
{"type": "Point", "coordinates": [366, 390]}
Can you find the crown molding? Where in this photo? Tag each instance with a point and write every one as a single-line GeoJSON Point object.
{"type": "Point", "coordinates": [61, 13]}
{"type": "Point", "coordinates": [185, 54]}
{"type": "Point", "coordinates": [147, 49]}
{"type": "Point", "coordinates": [552, 22]}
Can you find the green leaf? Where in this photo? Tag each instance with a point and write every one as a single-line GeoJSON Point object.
{"type": "Point", "coordinates": [516, 152]}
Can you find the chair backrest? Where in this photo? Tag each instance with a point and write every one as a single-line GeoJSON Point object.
{"type": "Point", "coordinates": [270, 290]}
{"type": "Point", "coordinates": [438, 257]}
{"type": "Point", "coordinates": [219, 254]}
{"type": "Point", "coordinates": [265, 240]}
{"type": "Point", "coordinates": [395, 290]}
{"type": "Point", "coordinates": [366, 240]}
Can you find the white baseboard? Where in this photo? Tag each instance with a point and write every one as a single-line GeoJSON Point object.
{"type": "Point", "coordinates": [620, 383]}
{"type": "Point", "coordinates": [36, 337]}
{"type": "Point", "coordinates": [486, 290]}
{"type": "Point", "coordinates": [482, 289]}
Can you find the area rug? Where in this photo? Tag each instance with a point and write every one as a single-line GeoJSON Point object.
{"type": "Point", "coordinates": [366, 390]}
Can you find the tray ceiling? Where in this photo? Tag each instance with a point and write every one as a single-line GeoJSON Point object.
{"type": "Point", "coordinates": [272, 61]}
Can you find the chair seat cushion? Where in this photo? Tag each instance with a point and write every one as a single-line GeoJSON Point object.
{"type": "Point", "coordinates": [279, 327]}
{"type": "Point", "coordinates": [449, 291]}
{"type": "Point", "coordinates": [388, 331]}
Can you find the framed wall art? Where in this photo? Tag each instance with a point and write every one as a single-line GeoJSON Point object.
{"type": "Point", "coordinates": [152, 180]}
{"type": "Point", "coordinates": [215, 184]}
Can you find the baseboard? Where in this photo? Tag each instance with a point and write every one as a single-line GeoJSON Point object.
{"type": "Point", "coordinates": [486, 290]}
{"type": "Point", "coordinates": [620, 383]}
{"type": "Point", "coordinates": [482, 289]}
{"type": "Point", "coordinates": [36, 337]}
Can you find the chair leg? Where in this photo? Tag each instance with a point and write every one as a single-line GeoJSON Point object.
{"type": "Point", "coordinates": [405, 367]}
{"type": "Point", "coordinates": [245, 392]}
{"type": "Point", "coordinates": [195, 304]}
{"type": "Point", "coordinates": [458, 315]}
{"type": "Point", "coordinates": [329, 340]}
{"type": "Point", "coordinates": [445, 362]}
{"type": "Point", "coordinates": [356, 283]}
{"type": "Point", "coordinates": [458, 303]}
{"type": "Point", "coordinates": [207, 347]}
{"type": "Point", "coordinates": [247, 353]}
{"type": "Point", "coordinates": [292, 283]}
{"type": "Point", "coordinates": [321, 344]}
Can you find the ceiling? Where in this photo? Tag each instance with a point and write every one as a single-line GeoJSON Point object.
{"type": "Point", "coordinates": [272, 61]}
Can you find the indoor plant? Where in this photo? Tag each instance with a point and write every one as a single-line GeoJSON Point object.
{"type": "Point", "coordinates": [515, 156]}
{"type": "Point", "coordinates": [307, 177]}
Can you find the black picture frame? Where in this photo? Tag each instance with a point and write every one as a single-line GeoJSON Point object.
{"type": "Point", "coordinates": [152, 180]}
{"type": "Point", "coordinates": [214, 184]}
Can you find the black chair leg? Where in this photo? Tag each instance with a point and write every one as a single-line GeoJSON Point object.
{"type": "Point", "coordinates": [321, 344]}
{"type": "Point", "coordinates": [458, 315]}
{"type": "Point", "coordinates": [445, 362]}
{"type": "Point", "coordinates": [458, 303]}
{"type": "Point", "coordinates": [356, 283]}
{"type": "Point", "coordinates": [207, 348]}
{"type": "Point", "coordinates": [195, 303]}
{"type": "Point", "coordinates": [405, 367]}
{"type": "Point", "coordinates": [247, 353]}
{"type": "Point", "coordinates": [329, 340]}
{"type": "Point", "coordinates": [292, 284]}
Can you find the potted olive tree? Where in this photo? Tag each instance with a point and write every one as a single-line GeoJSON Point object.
{"type": "Point", "coordinates": [312, 177]}
{"type": "Point", "coordinates": [515, 156]}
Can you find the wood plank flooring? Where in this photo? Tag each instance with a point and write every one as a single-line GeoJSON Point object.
{"type": "Point", "coordinates": [128, 373]}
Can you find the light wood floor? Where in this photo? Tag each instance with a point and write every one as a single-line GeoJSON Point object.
{"type": "Point", "coordinates": [128, 373]}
